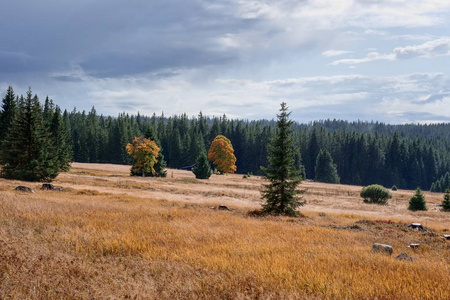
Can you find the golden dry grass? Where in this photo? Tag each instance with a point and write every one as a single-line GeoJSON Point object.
{"type": "Point", "coordinates": [111, 236]}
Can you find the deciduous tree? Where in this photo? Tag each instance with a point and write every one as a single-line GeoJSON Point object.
{"type": "Point", "coordinates": [144, 153]}
{"type": "Point", "coordinates": [221, 153]}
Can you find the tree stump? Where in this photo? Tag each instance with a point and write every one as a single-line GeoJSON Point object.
{"type": "Point", "coordinates": [416, 226]}
{"type": "Point", "coordinates": [414, 246]}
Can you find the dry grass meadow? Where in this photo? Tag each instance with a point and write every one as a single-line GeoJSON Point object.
{"type": "Point", "coordinates": [111, 236]}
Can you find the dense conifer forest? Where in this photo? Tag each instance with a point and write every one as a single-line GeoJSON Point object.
{"type": "Point", "coordinates": [406, 156]}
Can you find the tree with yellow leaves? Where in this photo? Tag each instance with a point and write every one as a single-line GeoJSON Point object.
{"type": "Point", "coordinates": [144, 152]}
{"type": "Point", "coordinates": [221, 153]}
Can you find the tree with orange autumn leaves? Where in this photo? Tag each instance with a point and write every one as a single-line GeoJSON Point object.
{"type": "Point", "coordinates": [144, 152]}
{"type": "Point", "coordinates": [221, 153]}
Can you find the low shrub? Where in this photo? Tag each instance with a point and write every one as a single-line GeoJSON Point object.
{"type": "Point", "coordinates": [375, 193]}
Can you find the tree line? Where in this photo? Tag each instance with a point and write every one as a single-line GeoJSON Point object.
{"type": "Point", "coordinates": [359, 153]}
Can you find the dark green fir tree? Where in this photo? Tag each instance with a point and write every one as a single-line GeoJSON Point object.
{"type": "Point", "coordinates": [417, 202]}
{"type": "Point", "coordinates": [325, 168]}
{"type": "Point", "coordinates": [446, 202]}
{"type": "Point", "coordinates": [281, 193]}
{"type": "Point", "coordinates": [25, 153]}
{"type": "Point", "coordinates": [7, 113]}
{"type": "Point", "coordinates": [60, 149]}
{"type": "Point", "coordinates": [202, 170]}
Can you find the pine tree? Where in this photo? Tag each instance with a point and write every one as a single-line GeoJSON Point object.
{"type": "Point", "coordinates": [202, 170]}
{"type": "Point", "coordinates": [417, 202]}
{"type": "Point", "coordinates": [25, 154]}
{"type": "Point", "coordinates": [7, 113]}
{"type": "Point", "coordinates": [281, 194]}
{"type": "Point", "coordinates": [446, 201]}
{"type": "Point", "coordinates": [325, 168]}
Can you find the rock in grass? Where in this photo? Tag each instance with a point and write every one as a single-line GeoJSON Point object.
{"type": "Point", "coordinates": [404, 256]}
{"type": "Point", "coordinates": [47, 187]}
{"type": "Point", "coordinates": [382, 248]}
{"type": "Point", "coordinates": [223, 207]}
{"type": "Point", "coordinates": [23, 188]}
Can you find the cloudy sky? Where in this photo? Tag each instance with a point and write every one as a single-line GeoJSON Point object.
{"type": "Point", "coordinates": [385, 60]}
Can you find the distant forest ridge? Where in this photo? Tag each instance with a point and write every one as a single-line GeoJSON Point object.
{"type": "Point", "coordinates": [406, 156]}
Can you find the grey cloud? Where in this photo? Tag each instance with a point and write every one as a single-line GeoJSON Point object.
{"type": "Point", "coordinates": [67, 78]}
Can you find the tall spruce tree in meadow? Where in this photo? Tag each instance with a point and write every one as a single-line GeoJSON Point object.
{"type": "Point", "coordinates": [7, 112]}
{"type": "Point", "coordinates": [25, 154]}
{"type": "Point", "coordinates": [281, 194]}
{"type": "Point", "coordinates": [418, 202]}
{"type": "Point", "coordinates": [325, 168]}
{"type": "Point", "coordinates": [446, 202]}
{"type": "Point", "coordinates": [202, 170]}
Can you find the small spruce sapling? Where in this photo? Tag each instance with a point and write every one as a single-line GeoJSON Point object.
{"type": "Point", "coordinates": [446, 201]}
{"type": "Point", "coordinates": [418, 202]}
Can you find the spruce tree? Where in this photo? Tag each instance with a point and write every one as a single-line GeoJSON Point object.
{"type": "Point", "coordinates": [417, 202]}
{"type": "Point", "coordinates": [7, 113]}
{"type": "Point", "coordinates": [25, 154]}
{"type": "Point", "coordinates": [325, 168]}
{"type": "Point", "coordinates": [446, 201]}
{"type": "Point", "coordinates": [281, 194]}
{"type": "Point", "coordinates": [202, 170]}
{"type": "Point", "coordinates": [60, 149]}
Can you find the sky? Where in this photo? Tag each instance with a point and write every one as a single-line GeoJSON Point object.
{"type": "Point", "coordinates": [380, 60]}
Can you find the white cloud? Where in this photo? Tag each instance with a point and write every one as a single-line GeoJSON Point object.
{"type": "Point", "coordinates": [374, 32]}
{"type": "Point", "coordinates": [438, 47]}
{"type": "Point", "coordinates": [331, 53]}
{"type": "Point", "coordinates": [372, 56]}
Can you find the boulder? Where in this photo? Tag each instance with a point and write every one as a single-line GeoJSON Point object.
{"type": "Point", "coordinates": [23, 188]}
{"type": "Point", "coordinates": [47, 187]}
{"type": "Point", "coordinates": [404, 256]}
{"type": "Point", "coordinates": [376, 247]}
{"type": "Point", "coordinates": [223, 207]}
